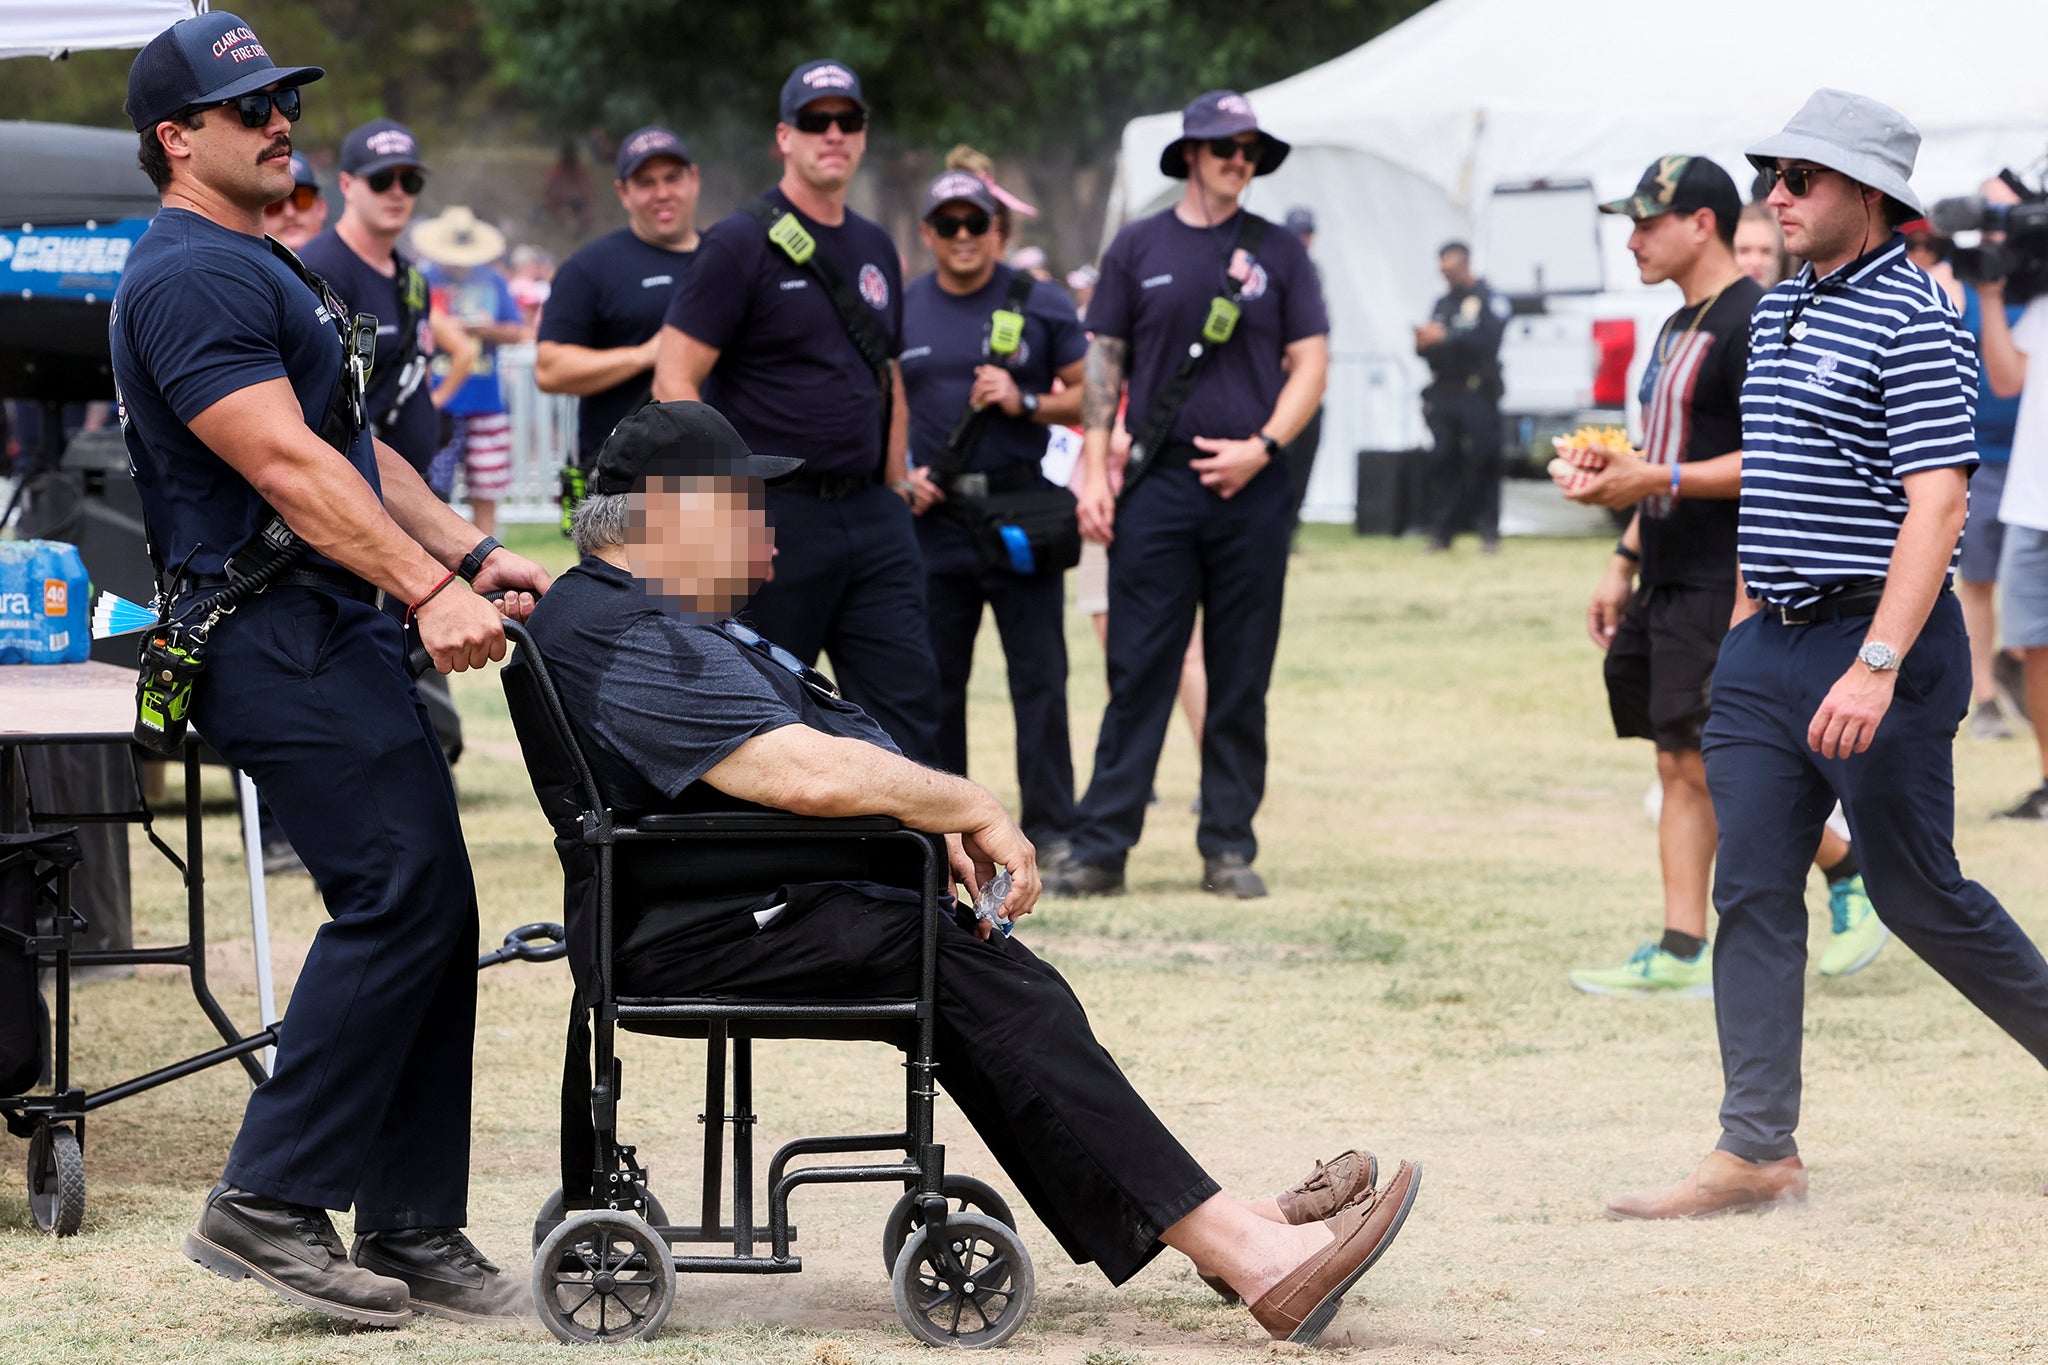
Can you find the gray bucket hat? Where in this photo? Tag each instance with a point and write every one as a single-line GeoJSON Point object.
{"type": "Point", "coordinates": [1869, 142]}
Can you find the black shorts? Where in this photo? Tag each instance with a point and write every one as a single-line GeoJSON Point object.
{"type": "Point", "coordinates": [1660, 668]}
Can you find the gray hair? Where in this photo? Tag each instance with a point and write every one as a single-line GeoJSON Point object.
{"type": "Point", "coordinates": [599, 522]}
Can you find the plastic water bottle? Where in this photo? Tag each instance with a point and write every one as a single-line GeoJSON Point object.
{"type": "Point", "coordinates": [45, 603]}
{"type": "Point", "coordinates": [991, 900]}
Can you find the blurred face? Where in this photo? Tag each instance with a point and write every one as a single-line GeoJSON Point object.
{"type": "Point", "coordinates": [1756, 251]}
{"type": "Point", "coordinates": [1225, 176]}
{"type": "Point", "coordinates": [1666, 246]}
{"type": "Point", "coordinates": [660, 200]}
{"type": "Point", "coordinates": [1827, 222]}
{"type": "Point", "coordinates": [1457, 269]}
{"type": "Point", "coordinates": [1923, 249]}
{"type": "Point", "coordinates": [824, 161]}
{"type": "Point", "coordinates": [701, 545]}
{"type": "Point", "coordinates": [957, 248]}
{"type": "Point", "coordinates": [293, 225]}
{"type": "Point", "coordinates": [249, 167]}
{"type": "Point", "coordinates": [385, 212]}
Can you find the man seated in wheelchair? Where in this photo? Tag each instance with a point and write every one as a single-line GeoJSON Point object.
{"type": "Point", "coordinates": [669, 695]}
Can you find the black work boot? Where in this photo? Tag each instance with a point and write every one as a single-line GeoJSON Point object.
{"type": "Point", "coordinates": [294, 1252]}
{"type": "Point", "coordinates": [1083, 879]}
{"type": "Point", "coordinates": [447, 1276]}
{"type": "Point", "coordinates": [1230, 874]}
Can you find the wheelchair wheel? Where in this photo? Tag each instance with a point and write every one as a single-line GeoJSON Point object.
{"type": "Point", "coordinates": [964, 1194]}
{"type": "Point", "coordinates": [552, 1214]}
{"type": "Point", "coordinates": [973, 1288]}
{"type": "Point", "coordinates": [56, 1180]}
{"type": "Point", "coordinates": [604, 1277]}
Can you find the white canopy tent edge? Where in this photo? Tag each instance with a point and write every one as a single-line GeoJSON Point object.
{"type": "Point", "coordinates": [51, 28]}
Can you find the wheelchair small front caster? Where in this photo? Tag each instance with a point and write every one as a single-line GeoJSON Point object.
{"type": "Point", "coordinates": [56, 1179]}
{"type": "Point", "coordinates": [964, 1194]}
{"type": "Point", "coordinates": [604, 1277]}
{"type": "Point", "coordinates": [973, 1287]}
{"type": "Point", "coordinates": [552, 1214]}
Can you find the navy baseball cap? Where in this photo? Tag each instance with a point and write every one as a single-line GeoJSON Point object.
{"type": "Point", "coordinates": [645, 144]}
{"type": "Point", "coordinates": [201, 60]}
{"type": "Point", "coordinates": [1220, 113]}
{"type": "Point", "coordinates": [1681, 184]}
{"type": "Point", "coordinates": [1301, 220]}
{"type": "Point", "coordinates": [814, 80]}
{"type": "Point", "coordinates": [379, 145]}
{"type": "Point", "coordinates": [964, 186]}
{"type": "Point", "coordinates": [681, 440]}
{"type": "Point", "coordinates": [302, 173]}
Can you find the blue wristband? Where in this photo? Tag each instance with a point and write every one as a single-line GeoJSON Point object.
{"type": "Point", "coordinates": [1674, 478]}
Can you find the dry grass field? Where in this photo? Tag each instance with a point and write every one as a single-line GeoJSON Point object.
{"type": "Point", "coordinates": [1449, 828]}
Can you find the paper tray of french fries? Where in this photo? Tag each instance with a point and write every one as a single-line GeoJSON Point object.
{"type": "Point", "coordinates": [1584, 453]}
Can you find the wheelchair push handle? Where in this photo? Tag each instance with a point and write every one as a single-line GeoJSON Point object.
{"type": "Point", "coordinates": [529, 943]}
{"type": "Point", "coordinates": [419, 663]}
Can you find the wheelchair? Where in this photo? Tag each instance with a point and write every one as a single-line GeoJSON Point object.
{"type": "Point", "coordinates": [605, 1264]}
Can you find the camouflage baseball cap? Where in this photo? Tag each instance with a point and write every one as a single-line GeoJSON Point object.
{"type": "Point", "coordinates": [1680, 184]}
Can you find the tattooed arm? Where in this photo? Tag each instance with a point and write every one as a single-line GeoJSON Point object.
{"type": "Point", "coordinates": [1102, 388]}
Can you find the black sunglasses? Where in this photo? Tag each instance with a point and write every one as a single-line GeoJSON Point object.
{"type": "Point", "coordinates": [849, 120]}
{"type": "Point", "coordinates": [1797, 180]}
{"type": "Point", "coordinates": [1224, 148]}
{"type": "Point", "coordinates": [409, 180]}
{"type": "Point", "coordinates": [949, 226]}
{"type": "Point", "coordinates": [761, 644]}
{"type": "Point", "coordinates": [255, 109]}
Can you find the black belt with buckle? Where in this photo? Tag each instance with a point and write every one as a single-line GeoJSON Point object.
{"type": "Point", "coordinates": [1858, 601]}
{"type": "Point", "coordinates": [338, 581]}
{"type": "Point", "coordinates": [828, 487]}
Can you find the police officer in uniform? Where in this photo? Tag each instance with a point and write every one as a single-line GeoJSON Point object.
{"type": "Point", "coordinates": [601, 328]}
{"type": "Point", "coordinates": [240, 405]}
{"type": "Point", "coordinates": [1461, 342]}
{"type": "Point", "coordinates": [790, 324]}
{"type": "Point", "coordinates": [1217, 318]}
{"type": "Point", "coordinates": [980, 390]}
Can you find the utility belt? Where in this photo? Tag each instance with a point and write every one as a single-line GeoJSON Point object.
{"type": "Point", "coordinates": [1488, 386]}
{"type": "Point", "coordinates": [340, 582]}
{"type": "Point", "coordinates": [827, 487]}
{"type": "Point", "coordinates": [1855, 600]}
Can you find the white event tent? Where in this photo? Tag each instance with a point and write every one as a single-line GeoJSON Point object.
{"type": "Point", "coordinates": [51, 28]}
{"type": "Point", "coordinates": [1398, 143]}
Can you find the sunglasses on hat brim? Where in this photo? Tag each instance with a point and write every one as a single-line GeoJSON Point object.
{"type": "Point", "coordinates": [410, 180]}
{"type": "Point", "coordinates": [816, 121]}
{"type": "Point", "coordinates": [255, 107]}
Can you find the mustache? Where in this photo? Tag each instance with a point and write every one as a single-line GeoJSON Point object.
{"type": "Point", "coordinates": [283, 144]}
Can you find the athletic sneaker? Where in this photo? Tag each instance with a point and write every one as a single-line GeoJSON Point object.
{"type": "Point", "coordinates": [1857, 935]}
{"type": "Point", "coordinates": [2032, 806]}
{"type": "Point", "coordinates": [1987, 721]}
{"type": "Point", "coordinates": [2010, 677]}
{"type": "Point", "coordinates": [1652, 971]}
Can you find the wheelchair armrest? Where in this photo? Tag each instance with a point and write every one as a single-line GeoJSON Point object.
{"type": "Point", "coordinates": [764, 822]}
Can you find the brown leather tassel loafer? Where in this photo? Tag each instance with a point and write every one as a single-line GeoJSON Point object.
{"type": "Point", "coordinates": [1301, 1305]}
{"type": "Point", "coordinates": [1724, 1183]}
{"type": "Point", "coordinates": [1333, 1186]}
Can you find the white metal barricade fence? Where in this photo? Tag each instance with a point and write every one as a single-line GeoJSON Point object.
{"type": "Point", "coordinates": [543, 434]}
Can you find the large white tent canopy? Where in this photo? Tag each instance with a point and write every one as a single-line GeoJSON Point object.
{"type": "Point", "coordinates": [51, 28]}
{"type": "Point", "coordinates": [1398, 143]}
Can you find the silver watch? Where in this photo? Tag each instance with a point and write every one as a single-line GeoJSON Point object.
{"type": "Point", "coordinates": [1878, 657]}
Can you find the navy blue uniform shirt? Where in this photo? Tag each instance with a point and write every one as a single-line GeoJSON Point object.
{"type": "Point", "coordinates": [202, 312]}
{"type": "Point", "coordinates": [788, 377]}
{"type": "Point", "coordinates": [1158, 277]}
{"type": "Point", "coordinates": [1474, 321]}
{"type": "Point", "coordinates": [945, 337]}
{"type": "Point", "coordinates": [613, 292]}
{"type": "Point", "coordinates": [416, 434]}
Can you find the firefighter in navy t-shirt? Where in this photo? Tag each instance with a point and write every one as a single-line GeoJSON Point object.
{"type": "Point", "coordinates": [980, 402]}
{"type": "Point", "coordinates": [1204, 515]}
{"type": "Point", "coordinates": [237, 406]}
{"type": "Point", "coordinates": [789, 325]}
{"type": "Point", "coordinates": [602, 324]}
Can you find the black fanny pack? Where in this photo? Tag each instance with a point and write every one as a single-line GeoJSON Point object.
{"type": "Point", "coordinates": [1029, 530]}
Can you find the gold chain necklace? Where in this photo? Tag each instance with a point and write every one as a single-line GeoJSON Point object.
{"type": "Point", "coordinates": [1665, 347]}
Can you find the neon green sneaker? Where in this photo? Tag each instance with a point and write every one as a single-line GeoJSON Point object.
{"type": "Point", "coordinates": [1857, 936]}
{"type": "Point", "coordinates": [1652, 971]}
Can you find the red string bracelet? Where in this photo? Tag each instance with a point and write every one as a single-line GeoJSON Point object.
{"type": "Point", "coordinates": [414, 609]}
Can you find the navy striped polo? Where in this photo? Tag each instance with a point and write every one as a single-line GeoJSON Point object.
{"type": "Point", "coordinates": [1854, 382]}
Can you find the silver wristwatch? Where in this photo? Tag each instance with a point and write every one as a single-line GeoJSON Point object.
{"type": "Point", "coordinates": [1878, 657]}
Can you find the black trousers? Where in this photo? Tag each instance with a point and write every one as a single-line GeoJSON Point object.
{"type": "Point", "coordinates": [1466, 430]}
{"type": "Point", "coordinates": [369, 1104]}
{"type": "Point", "coordinates": [1772, 794]}
{"type": "Point", "coordinates": [1301, 463]}
{"type": "Point", "coordinates": [1014, 1051]}
{"type": "Point", "coordinates": [1030, 616]}
{"type": "Point", "coordinates": [849, 581]}
{"type": "Point", "coordinates": [1179, 546]}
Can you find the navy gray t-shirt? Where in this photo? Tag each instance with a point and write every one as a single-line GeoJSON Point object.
{"type": "Point", "coordinates": [1158, 277]}
{"type": "Point", "coordinates": [788, 377]}
{"type": "Point", "coordinates": [416, 434]}
{"type": "Point", "coordinates": [613, 292]}
{"type": "Point", "coordinates": [945, 337]}
{"type": "Point", "coordinates": [661, 700]}
{"type": "Point", "coordinates": [204, 311]}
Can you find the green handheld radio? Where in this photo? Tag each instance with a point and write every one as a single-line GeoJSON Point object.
{"type": "Point", "coordinates": [163, 691]}
{"type": "Point", "coordinates": [1221, 322]}
{"type": "Point", "coordinates": [1005, 331]}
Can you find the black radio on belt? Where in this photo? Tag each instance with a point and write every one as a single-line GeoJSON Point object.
{"type": "Point", "coordinates": [163, 693]}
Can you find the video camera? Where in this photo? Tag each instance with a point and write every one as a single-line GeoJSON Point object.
{"type": "Point", "coordinates": [2019, 255]}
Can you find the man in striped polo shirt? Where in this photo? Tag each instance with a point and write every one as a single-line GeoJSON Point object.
{"type": "Point", "coordinates": [1847, 669]}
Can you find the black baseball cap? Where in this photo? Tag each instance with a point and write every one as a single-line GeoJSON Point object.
{"type": "Point", "coordinates": [964, 186]}
{"type": "Point", "coordinates": [201, 60]}
{"type": "Point", "coordinates": [686, 440]}
{"type": "Point", "coordinates": [1220, 113]}
{"type": "Point", "coordinates": [644, 144]}
{"type": "Point", "coordinates": [814, 80]}
{"type": "Point", "coordinates": [379, 145]}
{"type": "Point", "coordinates": [1681, 184]}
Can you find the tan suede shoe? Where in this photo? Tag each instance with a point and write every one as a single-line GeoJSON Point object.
{"type": "Point", "coordinates": [1724, 1183]}
{"type": "Point", "coordinates": [1301, 1305]}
